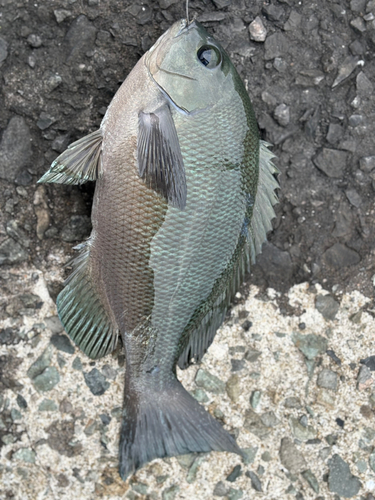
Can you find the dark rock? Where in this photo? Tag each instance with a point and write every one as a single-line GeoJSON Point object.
{"type": "Point", "coordinates": [310, 345]}
{"type": "Point", "coordinates": [292, 402]}
{"type": "Point", "coordinates": [170, 493]}
{"type": "Point", "coordinates": [17, 233]}
{"type": "Point", "coordinates": [255, 481]}
{"type": "Point", "coordinates": [15, 148]}
{"type": "Point", "coordinates": [340, 422]}
{"type": "Point", "coordinates": [237, 364]}
{"type": "Point", "coordinates": [354, 198]}
{"type": "Point", "coordinates": [60, 143]}
{"type": "Point", "coordinates": [45, 120]}
{"type": "Point", "coordinates": [77, 364]}
{"type": "Point", "coordinates": [31, 301]}
{"type": "Point", "coordinates": [339, 255]}
{"type": "Point", "coordinates": [291, 457]}
{"type": "Point", "coordinates": [78, 228]}
{"type": "Point", "coordinates": [335, 133]}
{"type": "Point", "coordinates": [246, 325]}
{"type": "Point", "coordinates": [62, 343]}
{"type": "Point", "coordinates": [340, 479]}
{"type": "Point", "coordinates": [220, 489]}
{"type": "Point", "coordinates": [255, 399]}
{"type": "Point", "coordinates": [3, 50]}
{"type": "Point", "coordinates": [165, 4]}
{"type": "Point", "coordinates": [106, 419]}
{"type": "Point", "coordinates": [276, 45]}
{"type": "Point", "coordinates": [302, 432]}
{"type": "Point", "coordinates": [212, 17]}
{"type": "Point", "coordinates": [269, 419]}
{"type": "Point", "coordinates": [80, 38]}
{"type": "Point", "coordinates": [34, 41]}
{"type": "Point", "coordinates": [294, 21]}
{"type": "Point", "coordinates": [364, 378]}
{"type": "Point", "coordinates": [327, 306]}
{"type": "Point", "coordinates": [365, 87]}
{"type": "Point", "coordinates": [21, 401]}
{"type": "Point", "coordinates": [369, 362]}
{"type": "Point", "coordinates": [209, 382]}
{"type": "Point", "coordinates": [367, 164]}
{"type": "Point", "coordinates": [274, 12]}
{"type": "Point", "coordinates": [220, 4]}
{"type": "Point", "coordinates": [282, 114]}
{"type": "Point", "coordinates": [275, 263]}
{"type": "Point", "coordinates": [332, 162]}
{"type": "Point", "coordinates": [327, 379]}
{"type": "Point", "coordinates": [236, 472]}
{"type": "Point", "coordinates": [333, 356]}
{"type": "Point", "coordinates": [96, 382]}
{"type": "Point", "coordinates": [252, 355]}
{"type": "Point", "coordinates": [9, 336]}
{"type": "Point", "coordinates": [61, 438]}
{"type": "Point", "coordinates": [23, 178]}
{"type": "Point", "coordinates": [346, 69]}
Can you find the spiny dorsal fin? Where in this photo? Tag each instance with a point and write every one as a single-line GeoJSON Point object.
{"type": "Point", "coordinates": [82, 312]}
{"type": "Point", "coordinates": [265, 199]}
{"type": "Point", "coordinates": [80, 163]}
{"type": "Point", "coordinates": [159, 156]}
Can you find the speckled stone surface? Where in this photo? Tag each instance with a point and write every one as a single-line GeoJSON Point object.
{"type": "Point", "coordinates": [299, 406]}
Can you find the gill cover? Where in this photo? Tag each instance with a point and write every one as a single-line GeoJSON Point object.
{"type": "Point", "coordinates": [189, 66]}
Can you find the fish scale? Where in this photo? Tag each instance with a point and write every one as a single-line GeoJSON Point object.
{"type": "Point", "coordinates": [183, 200]}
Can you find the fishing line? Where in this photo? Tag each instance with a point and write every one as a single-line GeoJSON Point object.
{"type": "Point", "coordinates": [187, 11]}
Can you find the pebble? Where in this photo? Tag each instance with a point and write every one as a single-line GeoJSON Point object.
{"type": "Point", "coordinates": [41, 211]}
{"type": "Point", "coordinates": [335, 133]}
{"type": "Point", "coordinates": [255, 425]}
{"type": "Point", "coordinates": [258, 32]}
{"type": "Point", "coordinates": [310, 345]}
{"type": "Point", "coordinates": [269, 419]}
{"type": "Point", "coordinates": [276, 45]}
{"type": "Point", "coordinates": [364, 379]}
{"type": "Point", "coordinates": [40, 364]}
{"type": "Point", "coordinates": [332, 162]}
{"type": "Point", "coordinates": [80, 38]}
{"type": "Point", "coordinates": [367, 164]}
{"type": "Point", "coordinates": [200, 395]}
{"type": "Point", "coordinates": [165, 4]}
{"type": "Point", "coordinates": [255, 399]}
{"type": "Point", "coordinates": [276, 264]}
{"type": "Point", "coordinates": [234, 494]}
{"type": "Point", "coordinates": [327, 379]}
{"type": "Point", "coordinates": [293, 22]}
{"type": "Point", "coordinates": [236, 473]}
{"type": "Point", "coordinates": [275, 13]}
{"type": "Point", "coordinates": [170, 493]}
{"type": "Point", "coordinates": [25, 454]}
{"type": "Point", "coordinates": [339, 256]}
{"type": "Point", "coordinates": [282, 114]}
{"type": "Point", "coordinates": [15, 414]}
{"type": "Point", "coordinates": [333, 356]}
{"type": "Point", "coordinates": [96, 382]}
{"type": "Point", "coordinates": [311, 480]}
{"type": "Point", "coordinates": [54, 324]}
{"type": "Point", "coordinates": [21, 401]}
{"type": "Point", "coordinates": [62, 14]}
{"type": "Point", "coordinates": [78, 228]}
{"type": "Point", "coordinates": [255, 481]}
{"type": "Point", "coordinates": [3, 50]}
{"type": "Point", "coordinates": [47, 405]}
{"type": "Point", "coordinates": [45, 120]}
{"type": "Point", "coordinates": [249, 454]}
{"type": "Point", "coordinates": [220, 4]}
{"type": "Point", "coordinates": [371, 461]}
{"type": "Point", "coordinates": [252, 355]}
{"type": "Point", "coordinates": [291, 457]}
{"type": "Point", "coordinates": [209, 382]}
{"type": "Point", "coordinates": [327, 306]}
{"type": "Point", "coordinates": [62, 343]}
{"type": "Point", "coordinates": [369, 362]}
{"type": "Point", "coordinates": [61, 438]}
{"type": "Point", "coordinates": [237, 365]}
{"type": "Point", "coordinates": [220, 489]}
{"type": "Point", "coordinates": [193, 471]}
{"type": "Point", "coordinates": [15, 148]}
{"type": "Point", "coordinates": [346, 69]}
{"type": "Point", "coordinates": [364, 86]}
{"type": "Point", "coordinates": [14, 230]}
{"type": "Point", "coordinates": [47, 379]}
{"type": "Point", "coordinates": [34, 41]}
{"type": "Point", "coordinates": [77, 364]}
{"type": "Point", "coordinates": [300, 431]}
{"type": "Point", "coordinates": [12, 252]}
{"type": "Point", "coordinates": [292, 402]}
{"type": "Point", "coordinates": [340, 479]}
{"type": "Point", "coordinates": [233, 388]}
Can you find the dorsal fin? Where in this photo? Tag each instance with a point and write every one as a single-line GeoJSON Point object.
{"type": "Point", "coordinates": [80, 163]}
{"type": "Point", "coordinates": [83, 312]}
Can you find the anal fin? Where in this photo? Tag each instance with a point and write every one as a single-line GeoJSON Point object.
{"type": "Point", "coordinates": [85, 317]}
{"type": "Point", "coordinates": [80, 163]}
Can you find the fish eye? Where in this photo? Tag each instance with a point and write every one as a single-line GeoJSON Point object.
{"type": "Point", "coordinates": [209, 56]}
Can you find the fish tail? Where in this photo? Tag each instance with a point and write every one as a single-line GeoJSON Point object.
{"type": "Point", "coordinates": [166, 423]}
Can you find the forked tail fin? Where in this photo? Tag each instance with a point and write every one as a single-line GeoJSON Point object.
{"type": "Point", "coordinates": [165, 424]}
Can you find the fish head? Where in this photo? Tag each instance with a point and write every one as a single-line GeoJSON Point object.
{"type": "Point", "coordinates": [190, 67]}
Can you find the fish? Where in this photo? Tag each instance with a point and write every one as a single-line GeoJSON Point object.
{"type": "Point", "coordinates": [184, 197]}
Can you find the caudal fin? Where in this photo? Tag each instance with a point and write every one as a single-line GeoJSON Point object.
{"type": "Point", "coordinates": [165, 424]}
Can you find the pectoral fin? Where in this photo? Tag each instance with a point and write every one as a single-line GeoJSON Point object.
{"type": "Point", "coordinates": [80, 163]}
{"type": "Point", "coordinates": [160, 162]}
